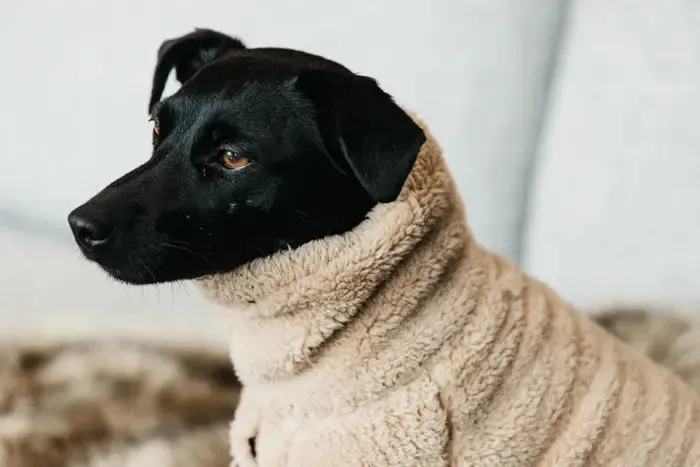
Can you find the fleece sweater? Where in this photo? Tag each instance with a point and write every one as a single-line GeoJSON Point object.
{"type": "Point", "coordinates": [403, 342]}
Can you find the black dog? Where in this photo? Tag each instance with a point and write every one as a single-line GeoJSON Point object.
{"type": "Point", "coordinates": [259, 150]}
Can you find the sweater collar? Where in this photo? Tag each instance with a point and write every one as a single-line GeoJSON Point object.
{"type": "Point", "coordinates": [295, 300]}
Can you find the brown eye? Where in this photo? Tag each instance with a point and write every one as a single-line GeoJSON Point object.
{"type": "Point", "coordinates": [233, 161]}
{"type": "Point", "coordinates": [156, 129]}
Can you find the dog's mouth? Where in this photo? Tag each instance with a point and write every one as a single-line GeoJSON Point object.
{"type": "Point", "coordinates": [146, 266]}
{"type": "Point", "coordinates": [138, 273]}
{"type": "Point", "coordinates": [133, 265]}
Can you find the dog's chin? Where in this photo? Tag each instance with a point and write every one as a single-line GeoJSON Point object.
{"type": "Point", "coordinates": [127, 276]}
{"type": "Point", "coordinates": [146, 273]}
{"type": "Point", "coordinates": [143, 267]}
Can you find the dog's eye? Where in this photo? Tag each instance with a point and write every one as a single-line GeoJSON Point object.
{"type": "Point", "coordinates": [232, 160]}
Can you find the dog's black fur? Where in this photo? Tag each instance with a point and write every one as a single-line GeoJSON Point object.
{"type": "Point", "coordinates": [324, 146]}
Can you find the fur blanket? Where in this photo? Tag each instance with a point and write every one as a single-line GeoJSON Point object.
{"type": "Point", "coordinates": [403, 342]}
{"type": "Point", "coordinates": [114, 404]}
{"type": "Point", "coordinates": [671, 339]}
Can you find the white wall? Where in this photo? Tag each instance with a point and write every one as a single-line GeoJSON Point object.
{"type": "Point", "coordinates": [616, 215]}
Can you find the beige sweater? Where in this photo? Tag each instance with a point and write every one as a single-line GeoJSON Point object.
{"type": "Point", "coordinates": [403, 342]}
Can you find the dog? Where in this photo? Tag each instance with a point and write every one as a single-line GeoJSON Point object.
{"type": "Point", "coordinates": [367, 326]}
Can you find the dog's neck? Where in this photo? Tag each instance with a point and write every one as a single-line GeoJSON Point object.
{"type": "Point", "coordinates": [343, 302]}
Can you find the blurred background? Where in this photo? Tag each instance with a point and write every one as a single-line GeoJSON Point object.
{"type": "Point", "coordinates": [571, 127]}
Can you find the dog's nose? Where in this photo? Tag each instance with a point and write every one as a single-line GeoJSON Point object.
{"type": "Point", "coordinates": [90, 233]}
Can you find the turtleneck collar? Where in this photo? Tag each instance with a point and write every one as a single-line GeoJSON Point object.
{"type": "Point", "coordinates": [285, 310]}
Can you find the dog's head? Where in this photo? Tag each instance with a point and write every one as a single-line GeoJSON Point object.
{"type": "Point", "coordinates": [259, 150]}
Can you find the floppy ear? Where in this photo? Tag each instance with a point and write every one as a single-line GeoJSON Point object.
{"type": "Point", "coordinates": [364, 130]}
{"type": "Point", "coordinates": [187, 54]}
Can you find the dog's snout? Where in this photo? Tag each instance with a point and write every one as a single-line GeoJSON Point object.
{"type": "Point", "coordinates": [90, 232]}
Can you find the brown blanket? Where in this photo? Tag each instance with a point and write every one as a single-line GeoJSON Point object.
{"type": "Point", "coordinates": [118, 404]}
{"type": "Point", "coordinates": [665, 336]}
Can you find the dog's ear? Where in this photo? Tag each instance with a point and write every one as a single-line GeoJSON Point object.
{"type": "Point", "coordinates": [364, 130]}
{"type": "Point", "coordinates": [187, 54]}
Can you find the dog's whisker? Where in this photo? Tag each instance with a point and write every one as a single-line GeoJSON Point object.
{"type": "Point", "coordinates": [173, 295]}
{"type": "Point", "coordinates": [187, 250]}
{"type": "Point", "coordinates": [175, 241]}
{"type": "Point", "coordinates": [303, 216]}
{"type": "Point", "coordinates": [148, 270]}
{"type": "Point", "coordinates": [132, 259]}
{"type": "Point", "coordinates": [144, 267]}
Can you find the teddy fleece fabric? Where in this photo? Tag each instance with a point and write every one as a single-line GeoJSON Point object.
{"type": "Point", "coordinates": [404, 343]}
